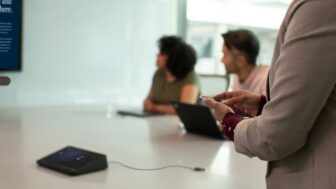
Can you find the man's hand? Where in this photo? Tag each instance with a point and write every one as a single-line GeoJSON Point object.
{"type": "Point", "coordinates": [220, 108]}
{"type": "Point", "coordinates": [242, 102]}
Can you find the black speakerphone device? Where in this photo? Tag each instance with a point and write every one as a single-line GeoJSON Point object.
{"type": "Point", "coordinates": [74, 161]}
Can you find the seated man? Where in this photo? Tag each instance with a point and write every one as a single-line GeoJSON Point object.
{"type": "Point", "coordinates": [240, 51]}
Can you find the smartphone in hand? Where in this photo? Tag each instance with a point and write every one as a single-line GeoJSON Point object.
{"type": "Point", "coordinates": [204, 97]}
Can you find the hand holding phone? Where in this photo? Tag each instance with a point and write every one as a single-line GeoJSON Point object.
{"type": "Point", "coordinates": [204, 97]}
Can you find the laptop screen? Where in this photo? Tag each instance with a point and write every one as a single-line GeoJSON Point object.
{"type": "Point", "coordinates": [198, 119]}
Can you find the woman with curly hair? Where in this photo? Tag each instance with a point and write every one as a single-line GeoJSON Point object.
{"type": "Point", "coordinates": [175, 79]}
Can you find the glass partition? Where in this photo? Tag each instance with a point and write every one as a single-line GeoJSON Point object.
{"type": "Point", "coordinates": [208, 19]}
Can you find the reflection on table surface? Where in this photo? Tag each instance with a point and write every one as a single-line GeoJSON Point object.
{"type": "Point", "coordinates": [27, 134]}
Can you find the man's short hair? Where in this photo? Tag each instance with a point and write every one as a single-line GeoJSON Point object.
{"type": "Point", "coordinates": [244, 41]}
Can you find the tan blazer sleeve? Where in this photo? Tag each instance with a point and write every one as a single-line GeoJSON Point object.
{"type": "Point", "coordinates": [302, 78]}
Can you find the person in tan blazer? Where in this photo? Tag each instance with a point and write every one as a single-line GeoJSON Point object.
{"type": "Point", "coordinates": [294, 128]}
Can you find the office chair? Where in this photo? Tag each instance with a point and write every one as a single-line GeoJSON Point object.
{"type": "Point", "coordinates": [214, 84]}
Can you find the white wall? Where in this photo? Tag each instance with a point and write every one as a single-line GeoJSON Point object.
{"type": "Point", "coordinates": [82, 51]}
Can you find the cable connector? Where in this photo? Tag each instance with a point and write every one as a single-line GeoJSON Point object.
{"type": "Point", "coordinates": [198, 169]}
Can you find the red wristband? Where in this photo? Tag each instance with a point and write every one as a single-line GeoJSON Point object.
{"type": "Point", "coordinates": [229, 122]}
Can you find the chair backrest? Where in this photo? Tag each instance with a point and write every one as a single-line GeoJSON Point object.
{"type": "Point", "coordinates": [214, 84]}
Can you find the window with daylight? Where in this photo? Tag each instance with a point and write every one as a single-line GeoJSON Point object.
{"type": "Point", "coordinates": [208, 19]}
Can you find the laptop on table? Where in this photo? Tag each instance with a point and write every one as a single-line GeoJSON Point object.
{"type": "Point", "coordinates": [199, 120]}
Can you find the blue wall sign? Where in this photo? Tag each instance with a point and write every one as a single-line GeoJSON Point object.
{"type": "Point", "coordinates": [10, 34]}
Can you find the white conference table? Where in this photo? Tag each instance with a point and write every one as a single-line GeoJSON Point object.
{"type": "Point", "coordinates": [27, 134]}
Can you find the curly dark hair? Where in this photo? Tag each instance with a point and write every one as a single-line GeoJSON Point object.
{"type": "Point", "coordinates": [244, 41]}
{"type": "Point", "coordinates": [181, 56]}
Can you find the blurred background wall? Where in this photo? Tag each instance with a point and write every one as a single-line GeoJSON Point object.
{"type": "Point", "coordinates": [103, 51]}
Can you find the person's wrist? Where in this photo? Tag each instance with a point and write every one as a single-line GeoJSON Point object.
{"type": "Point", "coordinates": [229, 122]}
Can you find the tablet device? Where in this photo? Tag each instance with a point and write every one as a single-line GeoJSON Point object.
{"type": "Point", "coordinates": [198, 119]}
